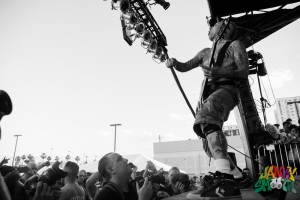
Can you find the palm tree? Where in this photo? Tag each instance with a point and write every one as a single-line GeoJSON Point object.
{"type": "Point", "coordinates": [17, 159]}
{"type": "Point", "coordinates": [23, 158]}
{"type": "Point", "coordinates": [77, 158]}
{"type": "Point", "coordinates": [43, 156]}
{"type": "Point", "coordinates": [68, 157]}
{"type": "Point", "coordinates": [56, 158]}
{"type": "Point", "coordinates": [30, 158]}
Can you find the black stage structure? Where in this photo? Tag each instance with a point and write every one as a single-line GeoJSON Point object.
{"type": "Point", "coordinates": [256, 20]}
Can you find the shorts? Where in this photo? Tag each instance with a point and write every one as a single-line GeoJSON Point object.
{"type": "Point", "coordinates": [216, 108]}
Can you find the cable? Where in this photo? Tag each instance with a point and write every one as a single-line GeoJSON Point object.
{"type": "Point", "coordinates": [265, 90]}
{"type": "Point", "coordinates": [272, 90]}
{"type": "Point", "coordinates": [252, 80]}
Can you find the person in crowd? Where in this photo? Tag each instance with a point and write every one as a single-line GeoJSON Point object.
{"type": "Point", "coordinates": [11, 186]}
{"type": "Point", "coordinates": [5, 109]}
{"type": "Point", "coordinates": [286, 127]}
{"type": "Point", "coordinates": [219, 96]}
{"type": "Point", "coordinates": [71, 190]}
{"type": "Point", "coordinates": [31, 169]}
{"type": "Point", "coordinates": [91, 184]}
{"type": "Point", "coordinates": [294, 133]}
{"type": "Point", "coordinates": [174, 188]}
{"type": "Point", "coordinates": [273, 131]}
{"type": "Point", "coordinates": [116, 170]}
{"type": "Point", "coordinates": [158, 180]}
{"type": "Point", "coordinates": [81, 178]}
{"type": "Point", "coordinates": [150, 169]}
{"type": "Point", "coordinates": [46, 192]}
{"type": "Point", "coordinates": [289, 120]}
{"type": "Point", "coordinates": [277, 126]}
{"type": "Point", "coordinates": [5, 105]}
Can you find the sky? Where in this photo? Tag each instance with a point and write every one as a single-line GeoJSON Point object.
{"type": "Point", "coordinates": [71, 75]}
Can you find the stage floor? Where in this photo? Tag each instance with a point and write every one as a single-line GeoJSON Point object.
{"type": "Point", "coordinates": [247, 194]}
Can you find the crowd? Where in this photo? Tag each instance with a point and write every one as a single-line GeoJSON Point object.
{"type": "Point", "coordinates": [279, 146]}
{"type": "Point", "coordinates": [115, 179]}
{"type": "Point", "coordinates": [274, 134]}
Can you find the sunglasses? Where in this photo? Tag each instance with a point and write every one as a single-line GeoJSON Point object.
{"type": "Point", "coordinates": [211, 21]}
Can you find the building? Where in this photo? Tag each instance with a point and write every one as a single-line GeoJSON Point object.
{"type": "Point", "coordinates": [231, 130]}
{"type": "Point", "coordinates": [287, 108]}
{"type": "Point", "coordinates": [189, 156]}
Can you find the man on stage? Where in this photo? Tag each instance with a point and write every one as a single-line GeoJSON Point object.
{"type": "Point", "coordinates": [228, 66]}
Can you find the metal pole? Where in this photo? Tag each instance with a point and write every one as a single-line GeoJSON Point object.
{"type": "Point", "coordinates": [115, 140]}
{"type": "Point", "coordinates": [12, 163]}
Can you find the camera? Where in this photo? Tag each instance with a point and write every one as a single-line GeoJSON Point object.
{"type": "Point", "coordinates": [156, 178]}
{"type": "Point", "coordinates": [132, 166]}
{"type": "Point", "coordinates": [50, 176]}
{"type": "Point", "coordinates": [182, 178]}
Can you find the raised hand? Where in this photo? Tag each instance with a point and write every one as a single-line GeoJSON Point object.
{"type": "Point", "coordinates": [151, 166]}
{"type": "Point", "coordinates": [179, 187]}
{"type": "Point", "coordinates": [46, 192]}
{"type": "Point", "coordinates": [4, 161]}
{"type": "Point", "coordinates": [145, 192]}
{"type": "Point", "coordinates": [171, 62]}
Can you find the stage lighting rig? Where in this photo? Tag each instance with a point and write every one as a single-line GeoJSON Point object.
{"type": "Point", "coordinates": [138, 22]}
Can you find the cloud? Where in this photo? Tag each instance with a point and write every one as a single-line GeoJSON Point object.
{"type": "Point", "coordinates": [128, 132]}
{"type": "Point", "coordinates": [279, 77]}
{"type": "Point", "coordinates": [104, 133]}
{"type": "Point", "coordinates": [172, 137]}
{"type": "Point", "coordinates": [178, 117]}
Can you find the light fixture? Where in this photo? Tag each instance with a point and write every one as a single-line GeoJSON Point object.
{"type": "Point", "coordinates": [130, 18]}
{"type": "Point", "coordinates": [123, 5]}
{"type": "Point", "coordinates": [158, 53]}
{"type": "Point", "coordinates": [146, 39]}
{"type": "Point", "coordinates": [163, 58]}
{"type": "Point", "coordinates": [163, 3]}
{"type": "Point", "coordinates": [159, 56]}
{"type": "Point", "coordinates": [152, 47]}
{"type": "Point", "coordinates": [139, 28]}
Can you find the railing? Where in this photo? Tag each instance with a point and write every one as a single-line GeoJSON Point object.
{"type": "Point", "coordinates": [279, 155]}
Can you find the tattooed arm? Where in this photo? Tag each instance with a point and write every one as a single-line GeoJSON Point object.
{"type": "Point", "coordinates": [187, 66]}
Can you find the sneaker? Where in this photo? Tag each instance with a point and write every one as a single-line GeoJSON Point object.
{"type": "Point", "coordinates": [205, 182]}
{"type": "Point", "coordinates": [243, 182]}
{"type": "Point", "coordinates": [222, 186]}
